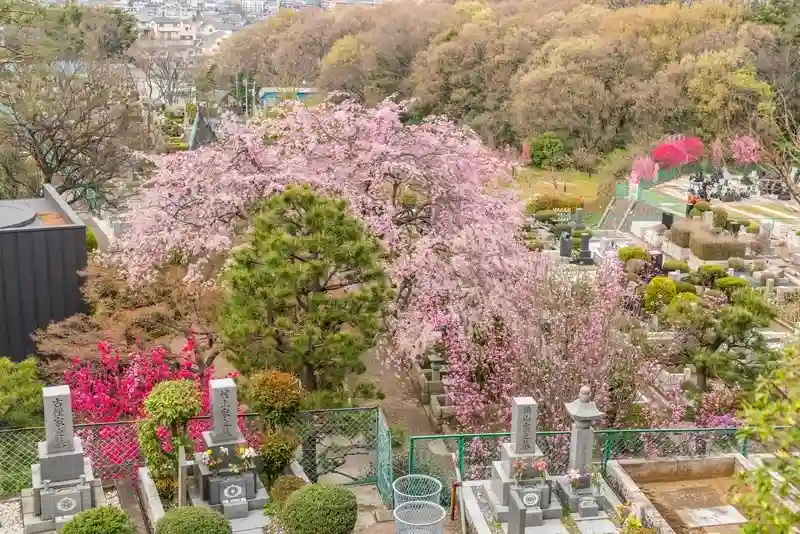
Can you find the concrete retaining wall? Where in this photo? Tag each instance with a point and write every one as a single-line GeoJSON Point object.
{"type": "Point", "coordinates": [148, 497]}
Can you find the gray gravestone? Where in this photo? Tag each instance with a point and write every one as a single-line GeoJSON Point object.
{"type": "Point", "coordinates": [524, 412]}
{"type": "Point", "coordinates": [224, 409]}
{"type": "Point", "coordinates": [731, 272]}
{"type": "Point", "coordinates": [579, 218]}
{"type": "Point", "coordinates": [58, 427]}
{"type": "Point", "coordinates": [769, 286]}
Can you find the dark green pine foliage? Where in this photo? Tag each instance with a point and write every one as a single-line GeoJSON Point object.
{"type": "Point", "coordinates": [309, 293]}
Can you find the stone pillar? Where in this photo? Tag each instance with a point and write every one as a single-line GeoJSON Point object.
{"type": "Point", "coordinates": [224, 413]}
{"type": "Point", "coordinates": [584, 413]}
{"type": "Point", "coordinates": [579, 219]}
{"type": "Point", "coordinates": [61, 453]}
{"type": "Point", "coordinates": [524, 412]}
{"type": "Point", "coordinates": [565, 245]}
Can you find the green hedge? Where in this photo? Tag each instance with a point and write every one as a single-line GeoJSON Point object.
{"type": "Point", "coordinates": [681, 233]}
{"type": "Point", "coordinates": [710, 247]}
{"type": "Point", "coordinates": [550, 201]}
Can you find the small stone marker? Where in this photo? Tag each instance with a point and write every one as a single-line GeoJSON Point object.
{"type": "Point", "coordinates": [524, 412]}
{"type": "Point", "coordinates": [181, 476]}
{"type": "Point", "coordinates": [579, 218]}
{"type": "Point", "coordinates": [58, 426]}
{"type": "Point", "coordinates": [675, 276]}
{"type": "Point", "coordinates": [565, 245]}
{"type": "Point", "coordinates": [224, 426]}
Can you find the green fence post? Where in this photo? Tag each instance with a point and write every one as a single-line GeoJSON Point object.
{"type": "Point", "coordinates": [461, 456]}
{"type": "Point", "coordinates": [411, 442]}
{"type": "Point", "coordinates": [609, 438]}
{"type": "Point", "coordinates": [744, 446]}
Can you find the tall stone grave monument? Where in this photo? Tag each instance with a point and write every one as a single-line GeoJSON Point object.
{"type": "Point", "coordinates": [222, 479]}
{"type": "Point", "coordinates": [575, 488]}
{"type": "Point", "coordinates": [63, 481]}
{"type": "Point", "coordinates": [519, 491]}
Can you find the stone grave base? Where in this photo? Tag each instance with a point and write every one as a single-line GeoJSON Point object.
{"type": "Point", "coordinates": [253, 523]}
{"type": "Point", "coordinates": [476, 511]}
{"type": "Point", "coordinates": [36, 525]}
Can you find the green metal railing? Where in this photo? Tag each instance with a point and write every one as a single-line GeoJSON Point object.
{"type": "Point", "coordinates": [474, 453]}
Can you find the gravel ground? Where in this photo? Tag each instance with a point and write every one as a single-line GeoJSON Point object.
{"type": "Point", "coordinates": [11, 518]}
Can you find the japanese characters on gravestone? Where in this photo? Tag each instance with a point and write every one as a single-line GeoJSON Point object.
{"type": "Point", "coordinates": [524, 412]}
{"type": "Point", "coordinates": [58, 429]}
{"type": "Point", "coordinates": [224, 409]}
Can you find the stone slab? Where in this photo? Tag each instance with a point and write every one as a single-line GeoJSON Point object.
{"type": "Point", "coordinates": [508, 456]}
{"type": "Point", "coordinates": [711, 517]}
{"type": "Point", "coordinates": [597, 526]}
{"type": "Point", "coordinates": [61, 466]}
{"type": "Point", "coordinates": [254, 522]}
{"type": "Point", "coordinates": [552, 526]}
{"type": "Point", "coordinates": [235, 509]}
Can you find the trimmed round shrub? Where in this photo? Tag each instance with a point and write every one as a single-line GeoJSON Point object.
{"type": "Point", "coordinates": [753, 228]}
{"type": "Point", "coordinates": [91, 240]}
{"type": "Point", "coordinates": [720, 217]}
{"type": "Point", "coordinates": [659, 292]}
{"type": "Point", "coordinates": [695, 213]}
{"type": "Point", "coordinates": [276, 452]}
{"type": "Point", "coordinates": [686, 297]}
{"type": "Point", "coordinates": [103, 520]}
{"type": "Point", "coordinates": [736, 264]}
{"type": "Point", "coordinates": [173, 401]}
{"type": "Point", "coordinates": [275, 396]}
{"type": "Point", "coordinates": [632, 252]}
{"type": "Point", "coordinates": [729, 284]}
{"type": "Point", "coordinates": [702, 206]}
{"type": "Point", "coordinates": [676, 265]}
{"type": "Point", "coordinates": [685, 287]}
{"type": "Point", "coordinates": [758, 265]}
{"type": "Point", "coordinates": [708, 274]}
{"type": "Point", "coordinates": [192, 520]}
{"type": "Point", "coordinates": [544, 215]}
{"type": "Point", "coordinates": [320, 509]}
{"type": "Point", "coordinates": [282, 488]}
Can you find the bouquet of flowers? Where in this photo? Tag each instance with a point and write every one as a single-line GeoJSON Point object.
{"type": "Point", "coordinates": [579, 479]}
{"type": "Point", "coordinates": [214, 463]}
{"type": "Point", "coordinates": [519, 470]}
{"type": "Point", "coordinates": [540, 465]}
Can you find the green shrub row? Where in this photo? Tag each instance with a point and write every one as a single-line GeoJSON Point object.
{"type": "Point", "coordinates": [710, 247]}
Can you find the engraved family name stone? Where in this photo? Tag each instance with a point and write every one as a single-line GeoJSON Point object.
{"type": "Point", "coordinates": [523, 424]}
{"type": "Point", "coordinates": [58, 427]}
{"type": "Point", "coordinates": [224, 407]}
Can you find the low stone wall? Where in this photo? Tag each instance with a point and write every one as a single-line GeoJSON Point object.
{"type": "Point", "coordinates": [629, 492]}
{"type": "Point", "coordinates": [148, 497]}
{"type": "Point", "coordinates": [684, 468]}
{"type": "Point", "coordinates": [623, 474]}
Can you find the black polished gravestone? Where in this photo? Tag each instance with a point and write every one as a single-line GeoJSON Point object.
{"type": "Point", "coordinates": [585, 255]}
{"type": "Point", "coordinates": [565, 246]}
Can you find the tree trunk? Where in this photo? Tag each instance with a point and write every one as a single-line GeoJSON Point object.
{"type": "Point", "coordinates": [307, 377]}
{"type": "Point", "coordinates": [702, 378]}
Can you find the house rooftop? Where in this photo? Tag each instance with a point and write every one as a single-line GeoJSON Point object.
{"type": "Point", "coordinates": [35, 213]}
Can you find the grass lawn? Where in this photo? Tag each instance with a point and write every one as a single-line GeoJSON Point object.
{"type": "Point", "coordinates": [534, 182]}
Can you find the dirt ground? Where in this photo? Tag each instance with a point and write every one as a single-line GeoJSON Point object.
{"type": "Point", "coordinates": [669, 497]}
